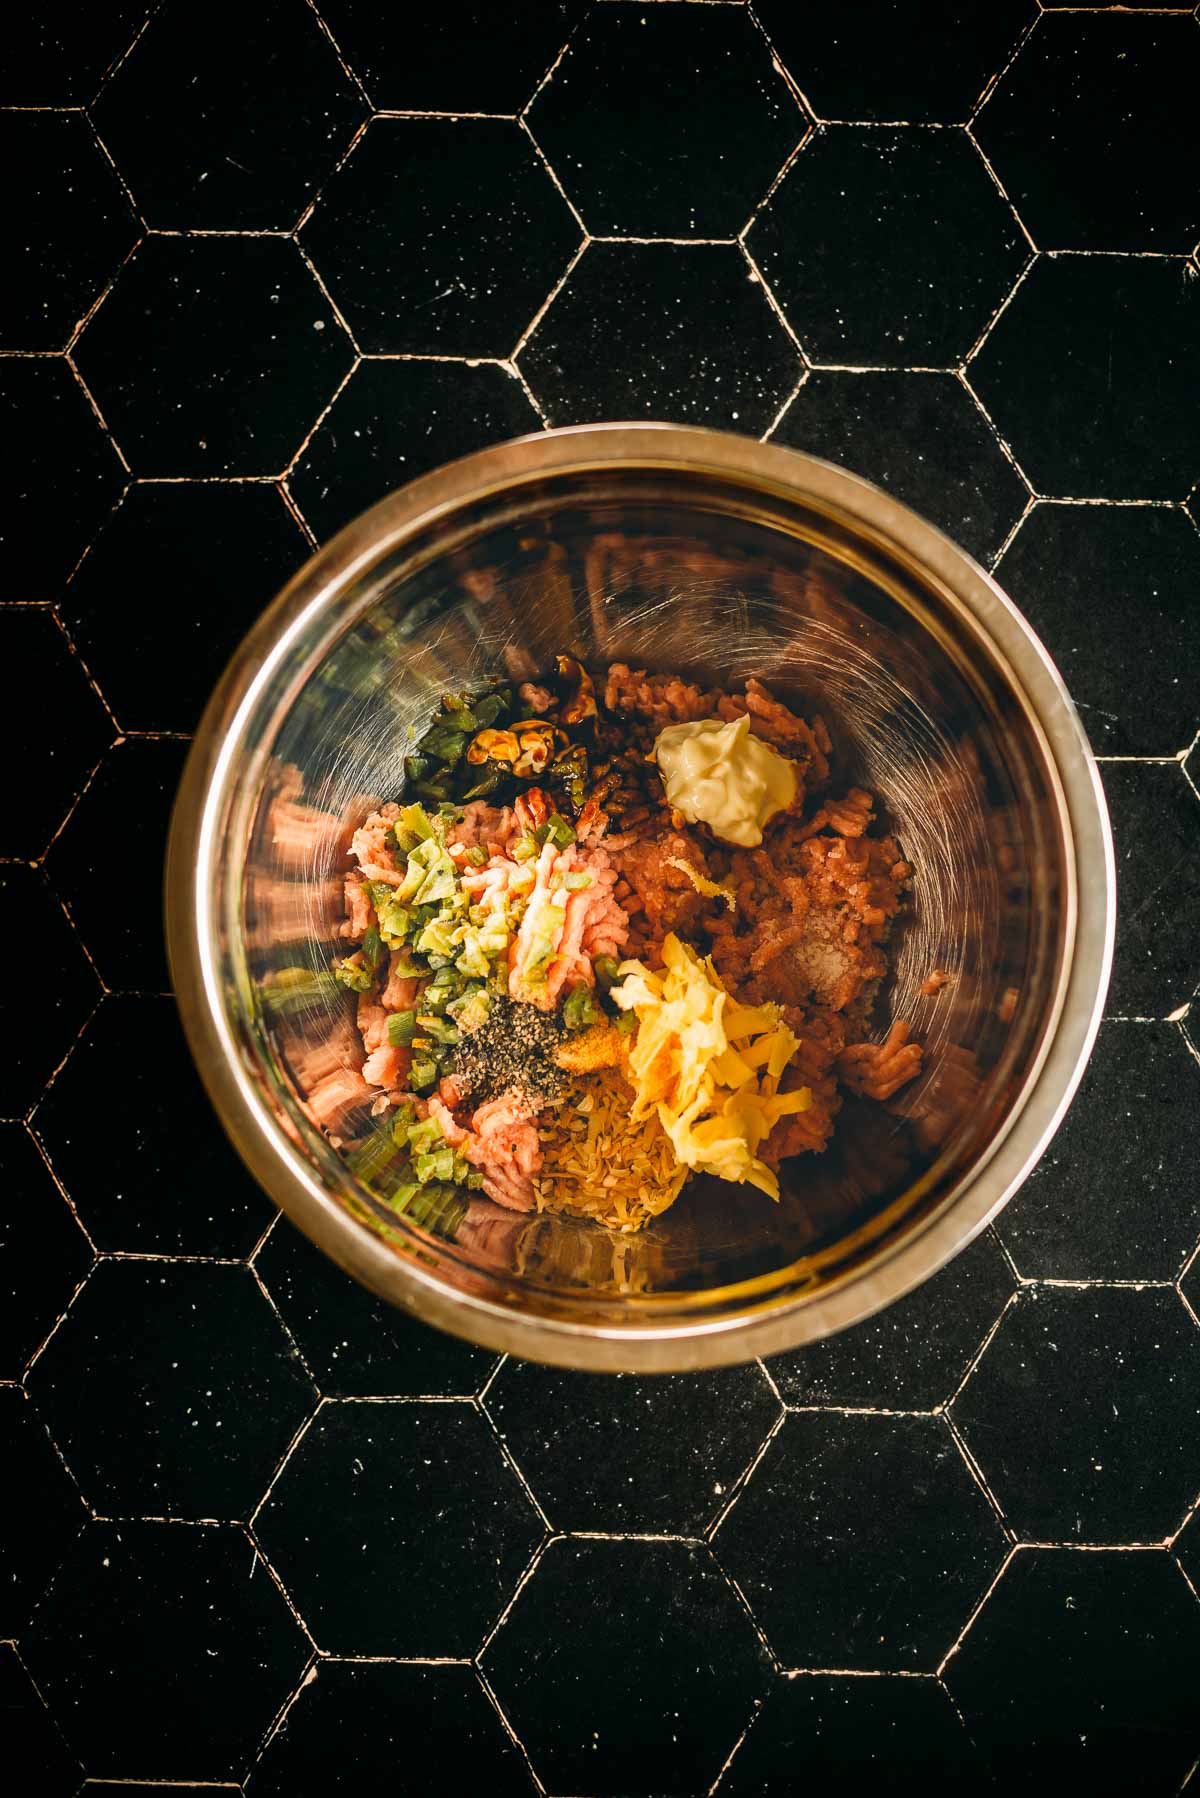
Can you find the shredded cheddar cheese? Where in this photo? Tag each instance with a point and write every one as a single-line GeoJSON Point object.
{"type": "Point", "coordinates": [708, 1066]}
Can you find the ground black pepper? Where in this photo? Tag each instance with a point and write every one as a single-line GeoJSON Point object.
{"type": "Point", "coordinates": [513, 1051]}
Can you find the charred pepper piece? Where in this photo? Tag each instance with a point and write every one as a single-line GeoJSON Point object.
{"type": "Point", "coordinates": [580, 705]}
{"type": "Point", "coordinates": [568, 777]}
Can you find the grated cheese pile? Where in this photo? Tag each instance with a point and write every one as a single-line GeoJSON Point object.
{"type": "Point", "coordinates": [597, 1164]}
{"type": "Point", "coordinates": [708, 1067]}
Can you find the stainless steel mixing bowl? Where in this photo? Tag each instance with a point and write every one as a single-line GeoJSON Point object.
{"type": "Point", "coordinates": [719, 557]}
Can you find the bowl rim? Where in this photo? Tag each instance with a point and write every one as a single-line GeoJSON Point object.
{"type": "Point", "coordinates": [662, 1344]}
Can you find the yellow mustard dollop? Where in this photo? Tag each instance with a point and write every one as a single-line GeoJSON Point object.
{"type": "Point", "coordinates": [718, 774]}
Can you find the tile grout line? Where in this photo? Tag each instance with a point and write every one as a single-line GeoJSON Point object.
{"type": "Point", "coordinates": [261, 1556]}
{"type": "Point", "coordinates": [291, 468]}
{"type": "Point", "coordinates": [531, 1568]}
{"type": "Point", "coordinates": [507, 1726]}
{"type": "Point", "coordinates": [322, 188]}
{"type": "Point", "coordinates": [743, 1480]}
{"type": "Point", "coordinates": [510, 1461]}
{"type": "Point", "coordinates": [524, 125]}
{"type": "Point", "coordinates": [977, 1357]}
{"type": "Point", "coordinates": [756, 1712]}
{"type": "Point", "coordinates": [518, 375]}
{"type": "Point", "coordinates": [297, 1438]}
{"type": "Point", "coordinates": [90, 397]}
{"type": "Point", "coordinates": [757, 275]}
{"type": "Point", "coordinates": [306, 1679]}
{"type": "Point", "coordinates": [1002, 442]}
{"type": "Point", "coordinates": [523, 340]}
{"type": "Point", "coordinates": [43, 1154]}
{"type": "Point", "coordinates": [940, 1669]}
{"type": "Point", "coordinates": [993, 82]}
{"type": "Point", "coordinates": [78, 656]}
{"type": "Point", "coordinates": [338, 314]}
{"type": "Point", "coordinates": [123, 56]}
{"type": "Point", "coordinates": [344, 62]}
{"type": "Point", "coordinates": [786, 407]}
{"type": "Point", "coordinates": [289, 1335]}
{"type": "Point", "coordinates": [976, 1472]}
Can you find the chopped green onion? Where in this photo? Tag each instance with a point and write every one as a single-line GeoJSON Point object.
{"type": "Point", "coordinates": [559, 831]}
{"type": "Point", "coordinates": [414, 825]}
{"type": "Point", "coordinates": [295, 990]}
{"type": "Point", "coordinates": [368, 1161]}
{"type": "Point", "coordinates": [626, 1022]}
{"type": "Point", "coordinates": [580, 1011]}
{"type": "Point", "coordinates": [437, 1028]}
{"type": "Point", "coordinates": [477, 856]}
{"type": "Point", "coordinates": [525, 848]}
{"type": "Point", "coordinates": [349, 974]}
{"type": "Point", "coordinates": [438, 1209]}
{"type": "Point", "coordinates": [372, 948]}
{"type": "Point", "coordinates": [424, 1073]}
{"type": "Point", "coordinates": [401, 1028]}
{"type": "Point", "coordinates": [575, 883]}
{"type": "Point", "coordinates": [607, 971]}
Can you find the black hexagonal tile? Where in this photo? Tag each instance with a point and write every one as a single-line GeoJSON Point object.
{"type": "Point", "coordinates": [394, 420]}
{"type": "Point", "coordinates": [441, 237]}
{"type": "Point", "coordinates": [356, 1725]}
{"type": "Point", "coordinates": [62, 475]}
{"type": "Point", "coordinates": [1083, 1414]}
{"type": "Point", "coordinates": [235, 333]}
{"type": "Point", "coordinates": [68, 735]}
{"type": "Point", "coordinates": [911, 1356]}
{"type": "Point", "coordinates": [127, 804]}
{"type": "Point", "coordinates": [38, 1021]}
{"type": "Point", "coordinates": [229, 546]}
{"type": "Point", "coordinates": [629, 120]}
{"type": "Point", "coordinates": [30, 1738]}
{"type": "Point", "coordinates": [662, 331]}
{"type": "Point", "coordinates": [627, 1667]}
{"type": "Point", "coordinates": [41, 1511]}
{"type": "Point", "coordinates": [381, 1499]}
{"type": "Point", "coordinates": [43, 1252]}
{"type": "Point", "coordinates": [72, 220]}
{"type": "Point", "coordinates": [1077, 1674]}
{"type": "Point", "coordinates": [164, 1650]}
{"type": "Point", "coordinates": [911, 272]}
{"type": "Point", "coordinates": [468, 56]}
{"type": "Point", "coordinates": [861, 1541]}
{"type": "Point", "coordinates": [855, 1735]}
{"type": "Point", "coordinates": [210, 140]}
{"type": "Point", "coordinates": [357, 1345]}
{"type": "Point", "coordinates": [143, 1194]}
{"type": "Point", "coordinates": [923, 438]}
{"type": "Point", "coordinates": [1094, 132]}
{"type": "Point", "coordinates": [171, 1389]}
{"type": "Point", "coordinates": [1082, 373]}
{"type": "Point", "coordinates": [1138, 568]}
{"type": "Point", "coordinates": [927, 60]}
{"type": "Point", "coordinates": [612, 1453]}
{"type": "Point", "coordinates": [1108, 1201]}
{"type": "Point", "coordinates": [1156, 826]}
{"type": "Point", "coordinates": [56, 54]}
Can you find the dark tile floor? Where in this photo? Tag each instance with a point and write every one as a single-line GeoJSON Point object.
{"type": "Point", "coordinates": [266, 262]}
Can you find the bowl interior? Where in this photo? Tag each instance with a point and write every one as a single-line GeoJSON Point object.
{"type": "Point", "coordinates": [699, 573]}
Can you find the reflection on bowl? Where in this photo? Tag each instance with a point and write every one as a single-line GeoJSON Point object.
{"type": "Point", "coordinates": [719, 558]}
